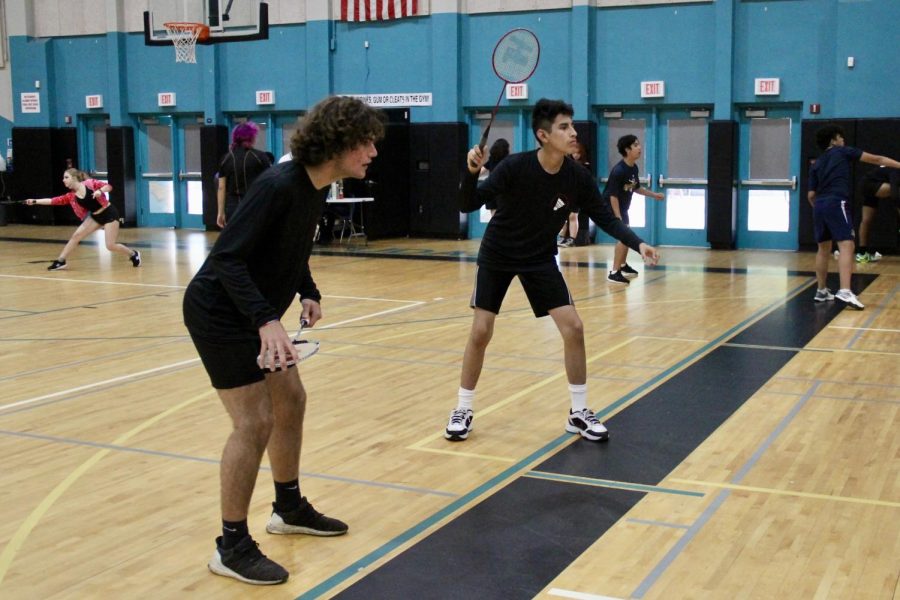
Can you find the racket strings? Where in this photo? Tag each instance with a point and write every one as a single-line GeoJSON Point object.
{"type": "Point", "coordinates": [516, 56]}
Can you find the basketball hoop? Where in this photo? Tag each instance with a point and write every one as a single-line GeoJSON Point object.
{"type": "Point", "coordinates": [184, 37]}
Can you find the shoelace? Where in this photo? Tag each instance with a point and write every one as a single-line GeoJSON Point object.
{"type": "Point", "coordinates": [458, 417]}
{"type": "Point", "coordinates": [588, 416]}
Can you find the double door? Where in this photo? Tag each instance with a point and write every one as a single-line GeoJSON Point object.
{"type": "Point", "coordinates": [673, 162]}
{"type": "Point", "coordinates": [170, 192]}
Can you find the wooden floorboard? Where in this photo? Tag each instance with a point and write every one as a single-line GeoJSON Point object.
{"type": "Point", "coordinates": [111, 436]}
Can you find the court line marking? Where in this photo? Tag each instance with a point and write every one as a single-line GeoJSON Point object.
{"type": "Point", "coordinates": [457, 453]}
{"type": "Point", "coordinates": [97, 384]}
{"type": "Point", "coordinates": [657, 523]}
{"type": "Point", "coordinates": [27, 526]}
{"type": "Point", "coordinates": [416, 332]}
{"type": "Point", "coordinates": [609, 483]}
{"type": "Point", "coordinates": [657, 571]}
{"type": "Point", "coordinates": [394, 544]}
{"type": "Point", "coordinates": [179, 364]}
{"type": "Point", "coordinates": [510, 399]}
{"type": "Point", "coordinates": [578, 595]}
{"type": "Point", "coordinates": [874, 329]}
{"type": "Point", "coordinates": [879, 309]}
{"type": "Point", "coordinates": [215, 461]}
{"type": "Point", "coordinates": [153, 285]}
{"type": "Point", "coordinates": [779, 492]}
{"type": "Point", "coordinates": [175, 287]}
{"type": "Point", "coordinates": [851, 351]}
{"type": "Point", "coordinates": [765, 347]}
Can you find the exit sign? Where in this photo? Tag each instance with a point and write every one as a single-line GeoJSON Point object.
{"type": "Point", "coordinates": [166, 99]}
{"type": "Point", "coordinates": [767, 86]}
{"type": "Point", "coordinates": [95, 101]}
{"type": "Point", "coordinates": [653, 89]}
{"type": "Point", "coordinates": [265, 97]}
{"type": "Point", "coordinates": [517, 91]}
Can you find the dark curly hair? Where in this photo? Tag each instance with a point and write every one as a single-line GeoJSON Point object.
{"type": "Point", "coordinates": [335, 125]}
{"type": "Point", "coordinates": [824, 135]}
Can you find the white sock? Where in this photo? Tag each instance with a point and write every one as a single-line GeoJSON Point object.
{"type": "Point", "coordinates": [466, 397]}
{"type": "Point", "coordinates": [578, 394]}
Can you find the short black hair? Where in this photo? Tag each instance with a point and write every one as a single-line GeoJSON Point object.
{"type": "Point", "coordinates": [545, 112]}
{"type": "Point", "coordinates": [625, 142]}
{"type": "Point", "coordinates": [825, 134]}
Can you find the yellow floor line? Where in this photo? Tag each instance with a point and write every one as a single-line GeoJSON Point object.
{"type": "Point", "coordinates": [25, 529]}
{"type": "Point", "coordinates": [762, 490]}
{"type": "Point", "coordinates": [415, 332]}
{"type": "Point", "coordinates": [466, 454]}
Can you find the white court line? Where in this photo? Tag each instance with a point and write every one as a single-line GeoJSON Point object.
{"type": "Point", "coordinates": [155, 285]}
{"type": "Point", "coordinates": [97, 384]}
{"type": "Point", "coordinates": [182, 287]}
{"type": "Point", "coordinates": [864, 328]}
{"type": "Point", "coordinates": [578, 595]}
{"type": "Point", "coordinates": [182, 363]}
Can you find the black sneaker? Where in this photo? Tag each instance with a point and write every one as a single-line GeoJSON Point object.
{"type": "Point", "coordinates": [136, 259]}
{"type": "Point", "coordinates": [628, 271]}
{"type": "Point", "coordinates": [306, 520]}
{"type": "Point", "coordinates": [246, 563]}
{"type": "Point", "coordinates": [617, 277]}
{"type": "Point", "coordinates": [57, 265]}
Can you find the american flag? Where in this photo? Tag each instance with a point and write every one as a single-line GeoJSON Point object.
{"type": "Point", "coordinates": [377, 10]}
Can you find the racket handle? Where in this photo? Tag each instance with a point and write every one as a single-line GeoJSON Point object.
{"type": "Point", "coordinates": [483, 142]}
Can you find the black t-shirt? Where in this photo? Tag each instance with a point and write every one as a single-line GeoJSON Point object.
{"type": "Point", "coordinates": [260, 262]}
{"type": "Point", "coordinates": [532, 206]}
{"type": "Point", "coordinates": [622, 182]}
{"type": "Point", "coordinates": [240, 167]}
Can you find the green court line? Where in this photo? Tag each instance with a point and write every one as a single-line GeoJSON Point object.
{"type": "Point", "coordinates": [608, 483]}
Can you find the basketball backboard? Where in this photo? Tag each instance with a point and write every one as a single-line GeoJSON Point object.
{"type": "Point", "coordinates": [228, 20]}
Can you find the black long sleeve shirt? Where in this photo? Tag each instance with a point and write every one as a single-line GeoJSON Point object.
{"type": "Point", "coordinates": [261, 260]}
{"type": "Point", "coordinates": [532, 206]}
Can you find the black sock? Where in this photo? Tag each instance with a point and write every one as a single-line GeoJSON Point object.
{"type": "Point", "coordinates": [233, 532]}
{"type": "Point", "coordinates": [287, 496]}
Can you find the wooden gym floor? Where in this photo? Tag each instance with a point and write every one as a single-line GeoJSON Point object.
{"type": "Point", "coordinates": [753, 453]}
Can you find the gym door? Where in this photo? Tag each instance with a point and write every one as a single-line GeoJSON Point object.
{"type": "Point", "coordinates": [681, 219]}
{"type": "Point", "coordinates": [638, 123]}
{"type": "Point", "coordinates": [170, 191]}
{"type": "Point", "coordinates": [768, 162]}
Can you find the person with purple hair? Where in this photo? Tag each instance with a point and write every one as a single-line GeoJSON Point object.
{"type": "Point", "coordinates": [238, 169]}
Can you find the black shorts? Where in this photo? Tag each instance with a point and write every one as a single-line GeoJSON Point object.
{"type": "Point", "coordinates": [869, 189]}
{"type": "Point", "coordinates": [107, 216]}
{"type": "Point", "coordinates": [546, 289]}
{"type": "Point", "coordinates": [229, 363]}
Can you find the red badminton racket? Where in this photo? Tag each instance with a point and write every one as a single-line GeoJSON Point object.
{"type": "Point", "coordinates": [515, 59]}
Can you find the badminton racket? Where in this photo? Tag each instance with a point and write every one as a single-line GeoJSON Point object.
{"type": "Point", "coordinates": [514, 60]}
{"type": "Point", "coordinates": [305, 348]}
{"type": "Point", "coordinates": [11, 202]}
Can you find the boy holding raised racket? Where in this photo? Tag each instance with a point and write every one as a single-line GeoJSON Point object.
{"type": "Point", "coordinates": [233, 307]}
{"type": "Point", "coordinates": [535, 192]}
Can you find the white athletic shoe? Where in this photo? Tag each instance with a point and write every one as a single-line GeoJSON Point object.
{"type": "Point", "coordinates": [850, 299]}
{"type": "Point", "coordinates": [875, 256]}
{"type": "Point", "coordinates": [460, 424]}
{"type": "Point", "coordinates": [585, 423]}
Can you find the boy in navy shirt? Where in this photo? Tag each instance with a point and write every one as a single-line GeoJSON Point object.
{"type": "Point", "coordinates": [622, 183]}
{"type": "Point", "coordinates": [829, 195]}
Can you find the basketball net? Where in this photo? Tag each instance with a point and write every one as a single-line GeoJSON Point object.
{"type": "Point", "coordinates": [184, 37]}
